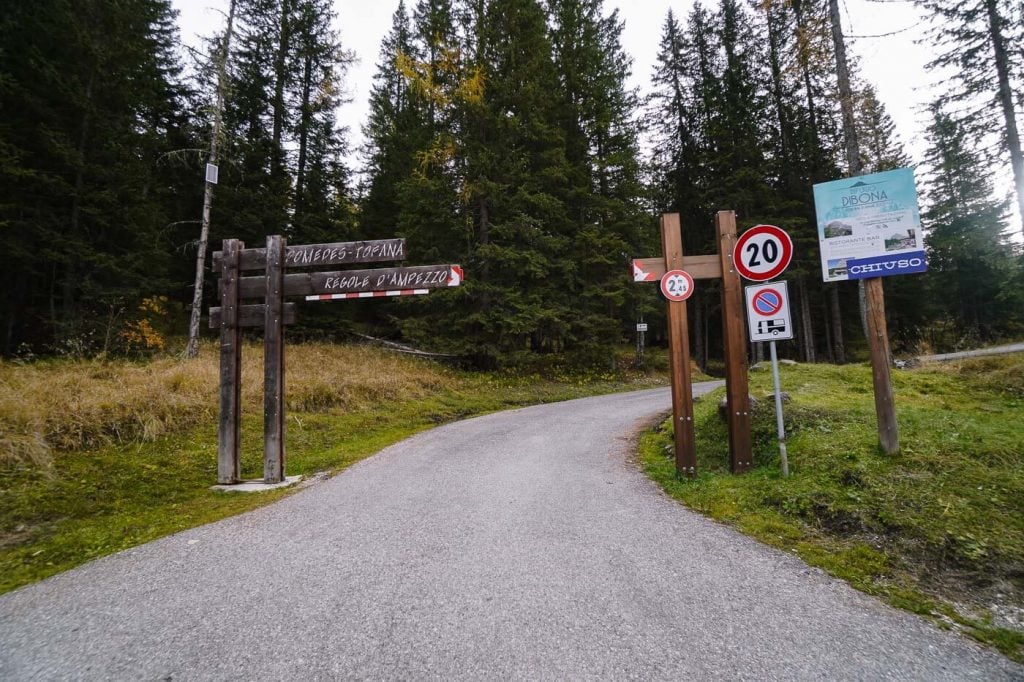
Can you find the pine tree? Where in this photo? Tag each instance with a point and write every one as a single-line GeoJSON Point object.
{"type": "Point", "coordinates": [602, 153]}
{"type": "Point", "coordinates": [970, 263]}
{"type": "Point", "coordinates": [880, 150]}
{"type": "Point", "coordinates": [90, 96]}
{"type": "Point", "coordinates": [987, 82]}
{"type": "Point", "coordinates": [322, 210]}
{"type": "Point", "coordinates": [391, 131]}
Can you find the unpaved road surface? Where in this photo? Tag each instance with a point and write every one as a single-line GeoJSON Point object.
{"type": "Point", "coordinates": [519, 545]}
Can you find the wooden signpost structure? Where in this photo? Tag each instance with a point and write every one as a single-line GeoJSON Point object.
{"type": "Point", "coordinates": [719, 266]}
{"type": "Point", "coordinates": [278, 262]}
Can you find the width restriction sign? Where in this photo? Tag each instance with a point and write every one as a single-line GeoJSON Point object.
{"type": "Point", "coordinates": [768, 317]}
{"type": "Point", "coordinates": [762, 253]}
{"type": "Point", "coordinates": [677, 285]}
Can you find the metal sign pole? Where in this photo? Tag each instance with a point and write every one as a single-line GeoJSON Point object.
{"type": "Point", "coordinates": [779, 423]}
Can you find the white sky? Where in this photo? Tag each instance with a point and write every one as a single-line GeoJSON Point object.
{"type": "Point", "coordinates": [894, 64]}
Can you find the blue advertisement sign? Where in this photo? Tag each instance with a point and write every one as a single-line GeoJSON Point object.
{"type": "Point", "coordinates": [883, 266]}
{"type": "Point", "coordinates": [869, 226]}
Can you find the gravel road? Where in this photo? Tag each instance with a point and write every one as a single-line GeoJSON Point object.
{"type": "Point", "coordinates": [519, 545]}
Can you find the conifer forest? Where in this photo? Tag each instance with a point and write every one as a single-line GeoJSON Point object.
{"type": "Point", "coordinates": [502, 135]}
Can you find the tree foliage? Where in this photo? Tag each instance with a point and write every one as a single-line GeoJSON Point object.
{"type": "Point", "coordinates": [503, 135]}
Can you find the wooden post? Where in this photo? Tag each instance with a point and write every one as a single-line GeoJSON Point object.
{"type": "Point", "coordinates": [735, 339]}
{"type": "Point", "coordinates": [228, 442]}
{"type": "Point", "coordinates": [878, 341]}
{"type": "Point", "coordinates": [679, 354]}
{"type": "Point", "coordinates": [273, 363]}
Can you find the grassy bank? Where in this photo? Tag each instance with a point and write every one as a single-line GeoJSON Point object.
{"type": "Point", "coordinates": [937, 529]}
{"type": "Point", "coordinates": [98, 456]}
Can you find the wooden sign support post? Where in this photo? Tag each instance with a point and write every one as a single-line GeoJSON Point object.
{"type": "Point", "coordinates": [228, 441]}
{"type": "Point", "coordinates": [273, 314]}
{"type": "Point", "coordinates": [701, 268]}
{"type": "Point", "coordinates": [679, 354]}
{"type": "Point", "coordinates": [878, 342]}
{"type": "Point", "coordinates": [735, 339]}
{"type": "Point", "coordinates": [273, 363]}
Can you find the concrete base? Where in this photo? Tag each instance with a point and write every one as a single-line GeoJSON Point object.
{"type": "Point", "coordinates": [257, 486]}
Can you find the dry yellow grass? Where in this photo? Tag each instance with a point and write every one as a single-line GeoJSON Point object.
{"type": "Point", "coordinates": [70, 404]}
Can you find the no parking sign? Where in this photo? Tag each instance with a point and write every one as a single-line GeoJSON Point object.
{"type": "Point", "coordinates": [768, 317]}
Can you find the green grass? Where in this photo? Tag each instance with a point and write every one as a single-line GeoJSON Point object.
{"type": "Point", "coordinates": [937, 529]}
{"type": "Point", "coordinates": [74, 505]}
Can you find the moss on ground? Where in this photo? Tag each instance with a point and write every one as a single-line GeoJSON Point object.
{"type": "Point", "coordinates": [937, 529]}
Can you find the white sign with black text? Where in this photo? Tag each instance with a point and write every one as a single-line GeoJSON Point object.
{"type": "Point", "coordinates": [768, 317]}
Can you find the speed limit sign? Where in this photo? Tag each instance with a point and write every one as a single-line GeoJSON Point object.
{"type": "Point", "coordinates": [677, 285]}
{"type": "Point", "coordinates": [762, 253]}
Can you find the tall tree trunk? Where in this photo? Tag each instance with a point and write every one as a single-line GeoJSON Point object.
{"type": "Point", "coordinates": [849, 126]}
{"type": "Point", "coordinates": [280, 76]}
{"type": "Point", "coordinates": [812, 109]}
{"type": "Point", "coordinates": [777, 92]}
{"type": "Point", "coordinates": [810, 353]}
{"type": "Point", "coordinates": [1006, 102]}
{"type": "Point", "coordinates": [300, 173]}
{"type": "Point", "coordinates": [699, 320]}
{"type": "Point", "coordinates": [838, 347]}
{"type": "Point", "coordinates": [872, 296]}
{"type": "Point", "coordinates": [830, 354]}
{"type": "Point", "coordinates": [192, 349]}
{"type": "Point", "coordinates": [70, 277]}
{"type": "Point", "coordinates": [845, 91]}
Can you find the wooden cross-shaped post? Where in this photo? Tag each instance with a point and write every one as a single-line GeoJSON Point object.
{"type": "Point", "coordinates": [717, 266]}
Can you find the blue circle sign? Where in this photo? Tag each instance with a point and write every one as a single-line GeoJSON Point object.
{"type": "Point", "coordinates": [767, 302]}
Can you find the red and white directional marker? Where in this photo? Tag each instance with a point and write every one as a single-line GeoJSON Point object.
{"type": "Point", "coordinates": [762, 253]}
{"type": "Point", "coordinates": [640, 274]}
{"type": "Point", "coordinates": [455, 277]}
{"type": "Point", "coordinates": [367, 294]}
{"type": "Point", "coordinates": [677, 285]}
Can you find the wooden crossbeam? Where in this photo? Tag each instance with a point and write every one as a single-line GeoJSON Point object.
{"type": "Point", "coordinates": [254, 315]}
{"type": "Point", "coordinates": [699, 267]}
{"type": "Point", "coordinates": [350, 281]}
{"type": "Point", "coordinates": [319, 255]}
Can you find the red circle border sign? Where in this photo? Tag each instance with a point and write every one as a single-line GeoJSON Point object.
{"type": "Point", "coordinates": [773, 307]}
{"type": "Point", "coordinates": [772, 232]}
{"type": "Point", "coordinates": [671, 276]}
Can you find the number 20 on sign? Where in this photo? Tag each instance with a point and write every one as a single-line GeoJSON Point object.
{"type": "Point", "coordinates": [677, 285]}
{"type": "Point", "coordinates": [762, 253]}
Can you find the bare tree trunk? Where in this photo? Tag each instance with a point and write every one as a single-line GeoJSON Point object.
{"type": "Point", "coordinates": [757, 353]}
{"type": "Point", "coordinates": [776, 71]}
{"type": "Point", "coordinates": [300, 173]}
{"type": "Point", "coordinates": [849, 126]}
{"type": "Point", "coordinates": [192, 349]}
{"type": "Point", "coordinates": [810, 353]}
{"type": "Point", "coordinates": [1006, 101]}
{"type": "Point", "coordinates": [70, 278]}
{"type": "Point", "coordinates": [277, 152]}
{"type": "Point", "coordinates": [838, 347]}
{"type": "Point", "coordinates": [830, 353]}
{"type": "Point", "coordinates": [872, 297]}
{"type": "Point", "coordinates": [699, 320]}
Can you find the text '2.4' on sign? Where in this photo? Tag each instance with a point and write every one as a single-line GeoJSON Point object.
{"type": "Point", "coordinates": [677, 285]}
{"type": "Point", "coordinates": [768, 317]}
{"type": "Point", "coordinates": [762, 253]}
